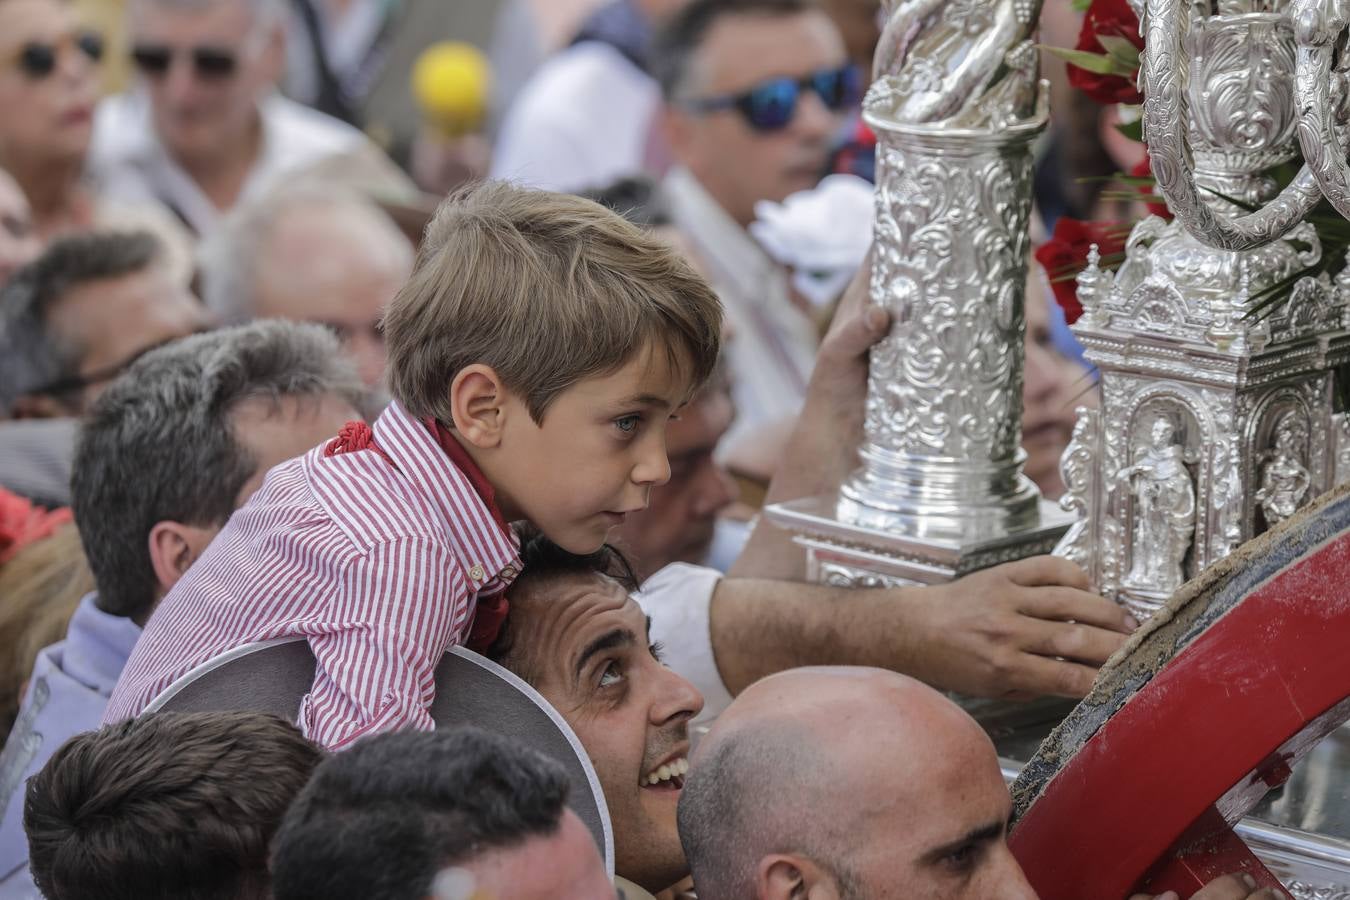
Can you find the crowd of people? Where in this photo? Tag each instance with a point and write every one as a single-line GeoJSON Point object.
{"type": "Point", "coordinates": [267, 375]}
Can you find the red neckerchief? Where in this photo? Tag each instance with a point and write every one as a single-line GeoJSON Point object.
{"type": "Point", "coordinates": [491, 612]}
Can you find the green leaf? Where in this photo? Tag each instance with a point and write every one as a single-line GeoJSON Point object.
{"type": "Point", "coordinates": [1099, 63]}
{"type": "Point", "coordinates": [1132, 130]}
{"type": "Point", "coordinates": [1081, 6]}
{"type": "Point", "coordinates": [1120, 49]}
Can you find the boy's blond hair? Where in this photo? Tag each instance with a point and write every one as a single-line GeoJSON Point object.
{"type": "Point", "coordinates": [547, 289]}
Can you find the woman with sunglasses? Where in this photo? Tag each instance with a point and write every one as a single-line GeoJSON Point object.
{"type": "Point", "coordinates": [49, 85]}
{"type": "Point", "coordinates": [48, 88]}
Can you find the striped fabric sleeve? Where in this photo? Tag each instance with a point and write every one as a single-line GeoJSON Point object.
{"type": "Point", "coordinates": [399, 608]}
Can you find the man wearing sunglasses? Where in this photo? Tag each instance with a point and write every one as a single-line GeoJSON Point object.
{"type": "Point", "coordinates": [206, 128]}
{"type": "Point", "coordinates": [755, 93]}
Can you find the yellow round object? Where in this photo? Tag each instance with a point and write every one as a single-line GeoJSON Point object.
{"type": "Point", "coordinates": [450, 81]}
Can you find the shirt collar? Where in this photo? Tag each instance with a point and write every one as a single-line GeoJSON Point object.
{"type": "Point", "coordinates": [487, 548]}
{"type": "Point", "coordinates": [97, 645]}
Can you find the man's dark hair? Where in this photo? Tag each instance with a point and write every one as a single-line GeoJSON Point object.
{"type": "Point", "coordinates": [683, 33]}
{"type": "Point", "coordinates": [542, 560]}
{"type": "Point", "coordinates": [178, 806]}
{"type": "Point", "coordinates": [379, 821]}
{"type": "Point", "coordinates": [33, 355]}
{"type": "Point", "coordinates": [636, 198]}
{"type": "Point", "coordinates": [158, 444]}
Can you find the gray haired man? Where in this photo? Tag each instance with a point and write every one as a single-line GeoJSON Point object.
{"type": "Point", "coordinates": [168, 452]}
{"type": "Point", "coordinates": [311, 252]}
{"type": "Point", "coordinates": [207, 128]}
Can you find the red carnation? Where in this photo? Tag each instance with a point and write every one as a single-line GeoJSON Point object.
{"type": "Point", "coordinates": [1065, 255]}
{"type": "Point", "coordinates": [22, 523]}
{"type": "Point", "coordinates": [1111, 19]}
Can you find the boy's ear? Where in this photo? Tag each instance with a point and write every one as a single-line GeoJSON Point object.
{"type": "Point", "coordinates": [478, 405]}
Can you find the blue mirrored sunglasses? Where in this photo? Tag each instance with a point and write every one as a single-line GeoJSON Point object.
{"type": "Point", "coordinates": [770, 105]}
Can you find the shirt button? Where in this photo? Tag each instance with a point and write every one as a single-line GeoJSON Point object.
{"type": "Point", "coordinates": [509, 572]}
{"type": "Point", "coordinates": [477, 573]}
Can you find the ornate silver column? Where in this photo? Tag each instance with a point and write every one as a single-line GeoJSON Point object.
{"type": "Point", "coordinates": [941, 490]}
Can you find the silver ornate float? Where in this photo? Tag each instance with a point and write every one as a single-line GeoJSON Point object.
{"type": "Point", "coordinates": [1249, 402]}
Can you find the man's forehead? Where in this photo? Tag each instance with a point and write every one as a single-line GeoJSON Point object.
{"type": "Point", "coordinates": [741, 49]}
{"type": "Point", "coordinates": [208, 20]}
{"type": "Point", "coordinates": [566, 609]}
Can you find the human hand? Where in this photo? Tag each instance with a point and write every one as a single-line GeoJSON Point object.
{"type": "Point", "coordinates": [1016, 631]}
{"type": "Point", "coordinates": [1240, 886]}
{"type": "Point", "coordinates": [838, 387]}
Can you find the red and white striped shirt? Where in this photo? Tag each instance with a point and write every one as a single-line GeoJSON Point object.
{"type": "Point", "coordinates": [377, 557]}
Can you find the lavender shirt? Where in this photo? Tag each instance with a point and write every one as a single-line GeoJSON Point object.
{"type": "Point", "coordinates": [66, 695]}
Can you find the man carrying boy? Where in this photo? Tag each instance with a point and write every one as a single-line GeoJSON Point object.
{"type": "Point", "coordinates": [535, 357]}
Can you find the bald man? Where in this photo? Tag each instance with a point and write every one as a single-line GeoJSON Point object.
{"type": "Point", "coordinates": [845, 783]}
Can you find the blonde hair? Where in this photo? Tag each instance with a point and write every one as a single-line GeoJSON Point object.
{"type": "Point", "coordinates": [39, 590]}
{"type": "Point", "coordinates": [547, 289]}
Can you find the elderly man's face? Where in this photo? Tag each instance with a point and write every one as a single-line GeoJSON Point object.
{"type": "Point", "coordinates": [202, 111]}
{"type": "Point", "coordinates": [678, 523]}
{"type": "Point", "coordinates": [630, 712]}
{"type": "Point", "coordinates": [735, 163]}
{"type": "Point", "coordinates": [340, 268]}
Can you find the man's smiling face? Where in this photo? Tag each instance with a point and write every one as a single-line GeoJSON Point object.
{"type": "Point", "coordinates": [582, 642]}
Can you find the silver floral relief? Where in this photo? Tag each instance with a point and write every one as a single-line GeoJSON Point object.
{"type": "Point", "coordinates": [1302, 890]}
{"type": "Point", "coordinates": [1076, 469]}
{"type": "Point", "coordinates": [839, 575]}
{"type": "Point", "coordinates": [1341, 439]}
{"type": "Point", "coordinates": [947, 380]}
{"type": "Point", "coordinates": [1319, 25]}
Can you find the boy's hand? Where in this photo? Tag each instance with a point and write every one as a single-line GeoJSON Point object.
{"type": "Point", "coordinates": [1229, 887]}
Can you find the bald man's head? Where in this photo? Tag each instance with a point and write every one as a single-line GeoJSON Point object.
{"type": "Point", "coordinates": [847, 783]}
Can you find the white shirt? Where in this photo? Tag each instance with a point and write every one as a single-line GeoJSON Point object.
{"type": "Point", "coordinates": [679, 601]}
{"type": "Point", "coordinates": [128, 161]}
{"type": "Point", "coordinates": [583, 121]}
{"type": "Point", "coordinates": [772, 346]}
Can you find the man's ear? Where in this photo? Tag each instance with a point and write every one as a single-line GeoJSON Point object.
{"type": "Point", "coordinates": [40, 406]}
{"type": "Point", "coordinates": [784, 876]}
{"type": "Point", "coordinates": [173, 548]}
{"type": "Point", "coordinates": [478, 405]}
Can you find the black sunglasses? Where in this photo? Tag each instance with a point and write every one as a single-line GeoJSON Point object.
{"type": "Point", "coordinates": [37, 59]}
{"type": "Point", "coordinates": [208, 62]}
{"type": "Point", "coordinates": [771, 104]}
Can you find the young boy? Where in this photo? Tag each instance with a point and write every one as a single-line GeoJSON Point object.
{"type": "Point", "coordinates": [535, 357]}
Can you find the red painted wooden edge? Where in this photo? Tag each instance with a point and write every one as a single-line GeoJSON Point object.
{"type": "Point", "coordinates": [1246, 686]}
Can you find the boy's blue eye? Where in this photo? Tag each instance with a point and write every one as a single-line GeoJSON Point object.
{"type": "Point", "coordinates": [628, 424]}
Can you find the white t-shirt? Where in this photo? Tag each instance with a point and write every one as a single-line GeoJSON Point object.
{"type": "Point", "coordinates": [582, 121]}
{"type": "Point", "coordinates": [679, 601]}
